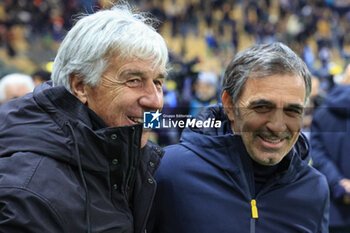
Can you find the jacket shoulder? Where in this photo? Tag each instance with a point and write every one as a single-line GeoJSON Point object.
{"type": "Point", "coordinates": [317, 181]}
{"type": "Point", "coordinates": [175, 154]}
{"type": "Point", "coordinates": [173, 160]}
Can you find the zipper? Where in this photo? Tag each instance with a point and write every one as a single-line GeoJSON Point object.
{"type": "Point", "coordinates": [249, 191]}
{"type": "Point", "coordinates": [252, 225]}
{"type": "Point", "coordinates": [254, 209]}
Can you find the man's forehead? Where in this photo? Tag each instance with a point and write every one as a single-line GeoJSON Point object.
{"type": "Point", "coordinates": [127, 66]}
{"type": "Point", "coordinates": [273, 78]}
{"type": "Point", "coordinates": [287, 89]}
{"type": "Point", "coordinates": [276, 102]}
{"type": "Point", "coordinates": [141, 72]}
{"type": "Point", "coordinates": [274, 97]}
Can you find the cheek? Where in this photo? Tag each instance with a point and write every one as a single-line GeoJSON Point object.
{"type": "Point", "coordinates": [103, 100]}
{"type": "Point", "coordinates": [295, 130]}
{"type": "Point", "coordinates": [248, 139]}
{"type": "Point", "coordinates": [113, 92]}
{"type": "Point", "coordinates": [295, 125]}
{"type": "Point", "coordinates": [253, 122]}
{"type": "Point", "coordinates": [114, 97]}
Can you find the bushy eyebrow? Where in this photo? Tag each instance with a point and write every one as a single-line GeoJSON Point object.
{"type": "Point", "coordinates": [126, 73]}
{"type": "Point", "coordinates": [296, 106]}
{"type": "Point", "coordinates": [161, 76]}
{"type": "Point", "coordinates": [261, 102]}
{"type": "Point", "coordinates": [267, 102]}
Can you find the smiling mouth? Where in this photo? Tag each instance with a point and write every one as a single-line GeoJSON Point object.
{"type": "Point", "coordinates": [272, 143]}
{"type": "Point", "coordinates": [136, 120]}
{"type": "Point", "coordinates": [271, 140]}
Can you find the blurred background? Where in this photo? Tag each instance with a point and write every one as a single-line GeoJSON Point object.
{"type": "Point", "coordinates": [202, 37]}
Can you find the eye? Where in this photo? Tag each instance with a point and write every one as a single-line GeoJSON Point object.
{"type": "Point", "coordinates": [294, 112]}
{"type": "Point", "coordinates": [134, 82]}
{"type": "Point", "coordinates": [262, 108]}
{"type": "Point", "coordinates": [158, 83]}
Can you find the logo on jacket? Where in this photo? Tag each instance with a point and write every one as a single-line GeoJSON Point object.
{"type": "Point", "coordinates": [151, 120]}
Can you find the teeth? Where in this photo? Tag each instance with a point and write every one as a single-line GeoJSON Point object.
{"type": "Point", "coordinates": [275, 141]}
{"type": "Point", "coordinates": [137, 119]}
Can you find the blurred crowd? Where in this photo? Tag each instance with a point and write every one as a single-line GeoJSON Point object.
{"type": "Point", "coordinates": [202, 37]}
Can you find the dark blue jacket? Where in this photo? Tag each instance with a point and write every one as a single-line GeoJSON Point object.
{"type": "Point", "coordinates": [330, 142]}
{"type": "Point", "coordinates": [62, 169]}
{"type": "Point", "coordinates": [206, 185]}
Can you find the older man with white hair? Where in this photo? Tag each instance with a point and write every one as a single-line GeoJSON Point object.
{"type": "Point", "coordinates": [74, 157]}
{"type": "Point", "coordinates": [15, 85]}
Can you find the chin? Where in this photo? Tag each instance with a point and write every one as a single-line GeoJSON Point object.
{"type": "Point", "coordinates": [273, 160]}
{"type": "Point", "coordinates": [267, 160]}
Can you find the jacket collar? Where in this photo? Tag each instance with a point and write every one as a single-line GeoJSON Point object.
{"type": "Point", "coordinates": [93, 136]}
{"type": "Point", "coordinates": [63, 105]}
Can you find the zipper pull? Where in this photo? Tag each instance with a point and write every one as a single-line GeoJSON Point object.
{"type": "Point", "coordinates": [254, 209]}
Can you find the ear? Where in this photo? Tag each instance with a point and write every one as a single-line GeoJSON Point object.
{"type": "Point", "coordinates": [229, 106]}
{"type": "Point", "coordinates": [78, 88]}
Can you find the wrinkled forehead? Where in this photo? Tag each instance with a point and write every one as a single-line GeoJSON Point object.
{"type": "Point", "coordinates": [148, 64]}
{"type": "Point", "coordinates": [154, 61]}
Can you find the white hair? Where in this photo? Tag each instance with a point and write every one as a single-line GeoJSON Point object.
{"type": "Point", "coordinates": [96, 37]}
{"type": "Point", "coordinates": [14, 79]}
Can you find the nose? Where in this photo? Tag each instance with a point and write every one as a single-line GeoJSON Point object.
{"type": "Point", "coordinates": [152, 98]}
{"type": "Point", "coordinates": [276, 122]}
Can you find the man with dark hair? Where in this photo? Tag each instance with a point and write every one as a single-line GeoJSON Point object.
{"type": "Point", "coordinates": [74, 157]}
{"type": "Point", "coordinates": [41, 76]}
{"type": "Point", "coordinates": [252, 174]}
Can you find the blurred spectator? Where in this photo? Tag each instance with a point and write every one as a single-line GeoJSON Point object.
{"type": "Point", "coordinates": [88, 5]}
{"type": "Point", "coordinates": [308, 57]}
{"type": "Point", "coordinates": [205, 92]}
{"type": "Point", "coordinates": [216, 22]}
{"type": "Point", "coordinates": [330, 133]}
{"type": "Point", "coordinates": [346, 77]}
{"type": "Point", "coordinates": [41, 76]}
{"type": "Point", "coordinates": [211, 41]}
{"type": "Point", "coordinates": [14, 86]}
{"type": "Point", "coordinates": [323, 73]}
{"type": "Point", "coordinates": [315, 100]}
